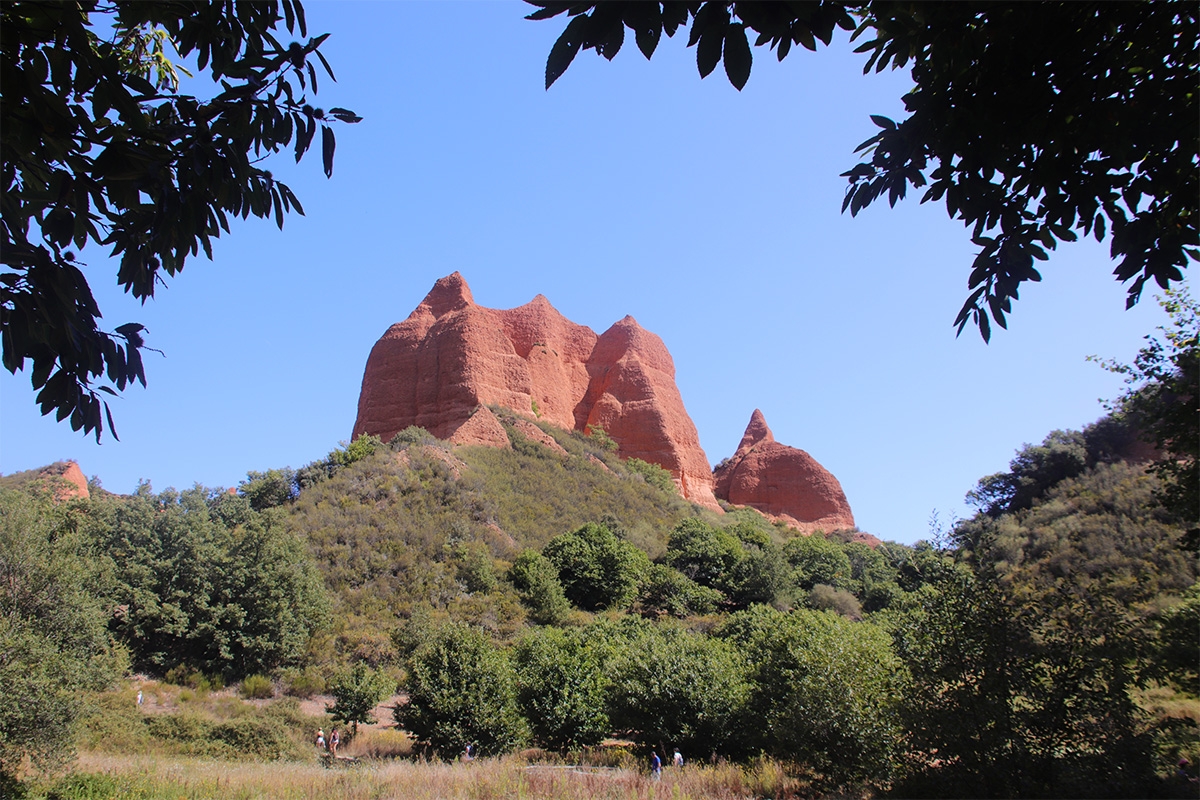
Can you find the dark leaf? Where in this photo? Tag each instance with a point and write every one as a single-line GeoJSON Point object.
{"type": "Point", "coordinates": [738, 58]}
{"type": "Point", "coordinates": [708, 52]}
{"type": "Point", "coordinates": [327, 146]}
{"type": "Point", "coordinates": [565, 49]}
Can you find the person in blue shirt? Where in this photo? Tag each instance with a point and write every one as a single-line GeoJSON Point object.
{"type": "Point", "coordinates": [655, 765]}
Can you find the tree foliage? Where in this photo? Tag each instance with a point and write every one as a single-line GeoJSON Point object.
{"type": "Point", "coordinates": [461, 692]}
{"type": "Point", "coordinates": [100, 147]}
{"type": "Point", "coordinates": [536, 581]}
{"type": "Point", "coordinates": [597, 570]}
{"type": "Point", "coordinates": [561, 684]}
{"type": "Point", "coordinates": [1025, 664]}
{"type": "Point", "coordinates": [670, 687]}
{"type": "Point", "coordinates": [53, 642]}
{"type": "Point", "coordinates": [1163, 401]}
{"type": "Point", "coordinates": [1033, 123]}
{"type": "Point", "coordinates": [356, 692]}
{"type": "Point", "coordinates": [203, 581]}
{"type": "Point", "coordinates": [825, 690]}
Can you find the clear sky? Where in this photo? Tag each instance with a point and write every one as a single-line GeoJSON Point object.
{"type": "Point", "coordinates": [631, 187]}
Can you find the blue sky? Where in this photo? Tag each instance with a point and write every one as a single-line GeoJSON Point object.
{"type": "Point", "coordinates": [631, 187]}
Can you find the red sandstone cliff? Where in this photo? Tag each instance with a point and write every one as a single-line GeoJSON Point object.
{"type": "Point", "coordinates": [782, 482]}
{"type": "Point", "coordinates": [451, 356]}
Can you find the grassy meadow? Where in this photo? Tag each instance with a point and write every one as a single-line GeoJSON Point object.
{"type": "Point", "coordinates": [189, 743]}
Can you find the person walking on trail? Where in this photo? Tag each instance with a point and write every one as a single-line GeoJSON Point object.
{"type": "Point", "coordinates": [655, 765]}
{"type": "Point", "coordinates": [321, 738]}
{"type": "Point", "coordinates": [335, 739]}
{"type": "Point", "coordinates": [677, 759]}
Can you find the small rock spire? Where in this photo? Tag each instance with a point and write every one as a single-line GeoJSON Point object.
{"type": "Point", "coordinates": [756, 432]}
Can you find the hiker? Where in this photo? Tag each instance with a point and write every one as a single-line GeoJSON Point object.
{"type": "Point", "coordinates": [321, 738]}
{"type": "Point", "coordinates": [140, 698]}
{"type": "Point", "coordinates": [677, 759]}
{"type": "Point", "coordinates": [655, 765]}
{"type": "Point", "coordinates": [335, 739]}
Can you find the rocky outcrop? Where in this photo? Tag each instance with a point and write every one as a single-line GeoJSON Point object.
{"type": "Point", "coordinates": [482, 428]}
{"type": "Point", "coordinates": [784, 483]}
{"type": "Point", "coordinates": [451, 356]}
{"type": "Point", "coordinates": [67, 480]}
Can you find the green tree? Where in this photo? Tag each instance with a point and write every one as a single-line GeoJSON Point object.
{"type": "Point", "coordinates": [653, 474]}
{"type": "Point", "coordinates": [666, 590]}
{"type": "Point", "coordinates": [1061, 455]}
{"type": "Point", "coordinates": [825, 691]}
{"type": "Point", "coordinates": [1163, 400]}
{"type": "Point", "coordinates": [703, 553]}
{"type": "Point", "coordinates": [53, 642]}
{"type": "Point", "coordinates": [268, 489]}
{"type": "Point", "coordinates": [561, 685]}
{"type": "Point", "coordinates": [460, 692]}
{"type": "Point", "coordinates": [356, 692]}
{"type": "Point", "coordinates": [199, 585]}
{"type": "Point", "coordinates": [815, 559]}
{"type": "Point", "coordinates": [1025, 663]}
{"type": "Point", "coordinates": [670, 687]}
{"type": "Point", "coordinates": [536, 582]}
{"type": "Point", "coordinates": [597, 570]}
{"type": "Point", "coordinates": [1032, 123]}
{"type": "Point", "coordinates": [100, 147]}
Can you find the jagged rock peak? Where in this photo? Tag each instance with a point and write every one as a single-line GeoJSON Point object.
{"type": "Point", "coordinates": [757, 431]}
{"type": "Point", "coordinates": [782, 482]}
{"type": "Point", "coordinates": [450, 293]}
{"type": "Point", "coordinates": [451, 356]}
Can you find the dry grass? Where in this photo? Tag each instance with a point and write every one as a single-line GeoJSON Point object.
{"type": "Point", "coordinates": [180, 778]}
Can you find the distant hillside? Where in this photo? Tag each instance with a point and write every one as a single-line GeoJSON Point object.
{"type": "Point", "coordinates": [425, 523]}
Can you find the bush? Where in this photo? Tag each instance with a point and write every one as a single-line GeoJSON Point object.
{"type": "Point", "coordinates": [537, 584]}
{"type": "Point", "coordinates": [560, 688]}
{"type": "Point", "coordinates": [410, 436]}
{"type": "Point", "coordinates": [653, 474]}
{"type": "Point", "coordinates": [302, 683]}
{"type": "Point", "coordinates": [597, 570]}
{"type": "Point", "coordinates": [257, 686]}
{"type": "Point", "coordinates": [253, 737]}
{"type": "Point", "coordinates": [827, 598]}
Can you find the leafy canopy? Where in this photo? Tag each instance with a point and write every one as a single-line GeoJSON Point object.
{"type": "Point", "coordinates": [1032, 122]}
{"type": "Point", "coordinates": [1163, 399]}
{"type": "Point", "coordinates": [53, 645]}
{"type": "Point", "coordinates": [99, 147]}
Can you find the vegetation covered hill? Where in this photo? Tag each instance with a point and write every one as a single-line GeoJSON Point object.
{"type": "Point", "coordinates": [1044, 647]}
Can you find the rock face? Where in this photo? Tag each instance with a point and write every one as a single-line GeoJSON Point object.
{"type": "Point", "coordinates": [451, 356]}
{"type": "Point", "coordinates": [69, 481]}
{"type": "Point", "coordinates": [782, 482]}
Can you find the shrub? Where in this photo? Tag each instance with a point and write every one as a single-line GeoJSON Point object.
{"type": "Point", "coordinates": [827, 598]}
{"type": "Point", "coordinates": [257, 686]}
{"type": "Point", "coordinates": [253, 737]}
{"type": "Point", "coordinates": [410, 436]}
{"type": "Point", "coordinates": [302, 683]}
{"type": "Point", "coordinates": [560, 688]}
{"type": "Point", "coordinates": [653, 474]}
{"type": "Point", "coordinates": [537, 584]}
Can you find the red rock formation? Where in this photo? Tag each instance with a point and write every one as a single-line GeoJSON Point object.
{"type": "Point", "coordinates": [782, 482]}
{"type": "Point", "coordinates": [451, 356]}
{"type": "Point", "coordinates": [67, 479]}
{"type": "Point", "coordinates": [482, 428]}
